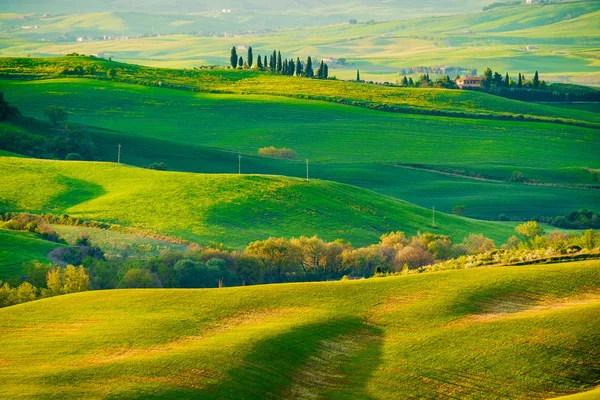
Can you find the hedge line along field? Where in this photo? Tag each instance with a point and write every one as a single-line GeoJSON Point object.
{"type": "Point", "coordinates": [468, 104]}
{"type": "Point", "coordinates": [232, 209]}
{"type": "Point", "coordinates": [319, 131]}
{"type": "Point", "coordinates": [527, 332]}
{"type": "Point", "coordinates": [20, 247]}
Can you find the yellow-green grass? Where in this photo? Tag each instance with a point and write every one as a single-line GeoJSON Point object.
{"type": "Point", "coordinates": [527, 332]}
{"type": "Point", "coordinates": [559, 31]}
{"type": "Point", "coordinates": [233, 209]}
{"type": "Point", "coordinates": [17, 248]}
{"type": "Point", "coordinates": [589, 395]}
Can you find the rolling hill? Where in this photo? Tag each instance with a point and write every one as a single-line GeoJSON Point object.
{"type": "Point", "coordinates": [495, 333]}
{"type": "Point", "coordinates": [232, 209]}
{"type": "Point", "coordinates": [21, 247]}
{"type": "Point", "coordinates": [204, 132]}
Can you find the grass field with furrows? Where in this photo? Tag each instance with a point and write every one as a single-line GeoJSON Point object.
{"type": "Point", "coordinates": [527, 332]}
{"type": "Point", "coordinates": [232, 209]}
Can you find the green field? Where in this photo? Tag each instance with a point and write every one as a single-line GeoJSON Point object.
{"type": "Point", "coordinates": [17, 248]}
{"type": "Point", "coordinates": [345, 144]}
{"type": "Point", "coordinates": [564, 38]}
{"type": "Point", "coordinates": [233, 209]}
{"type": "Point", "coordinates": [527, 332]}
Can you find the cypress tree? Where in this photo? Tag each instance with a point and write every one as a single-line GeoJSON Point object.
{"type": "Point", "coordinates": [259, 63]}
{"type": "Point", "coordinates": [279, 63]}
{"type": "Point", "coordinates": [273, 63]}
{"type": "Point", "coordinates": [285, 67]}
{"type": "Point", "coordinates": [411, 83]}
{"type": "Point", "coordinates": [357, 76]}
{"type": "Point", "coordinates": [250, 57]}
{"type": "Point", "coordinates": [298, 67]}
{"type": "Point", "coordinates": [507, 80]}
{"type": "Point", "coordinates": [320, 71]}
{"type": "Point", "coordinates": [536, 81]}
{"type": "Point", "coordinates": [325, 71]}
{"type": "Point", "coordinates": [234, 58]}
{"type": "Point", "coordinates": [241, 62]}
{"type": "Point", "coordinates": [520, 82]}
{"type": "Point", "coordinates": [309, 73]}
{"type": "Point", "coordinates": [404, 81]}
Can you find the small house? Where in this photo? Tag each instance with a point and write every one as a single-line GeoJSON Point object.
{"type": "Point", "coordinates": [469, 82]}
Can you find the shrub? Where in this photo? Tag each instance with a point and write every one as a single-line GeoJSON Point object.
{"type": "Point", "coordinates": [283, 153]}
{"type": "Point", "coordinates": [73, 157]}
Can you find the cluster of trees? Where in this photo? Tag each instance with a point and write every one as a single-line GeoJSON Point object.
{"type": "Point", "coordinates": [6, 110]}
{"type": "Point", "coordinates": [44, 280]}
{"type": "Point", "coordinates": [70, 142]}
{"type": "Point", "coordinates": [425, 81]}
{"type": "Point", "coordinates": [276, 64]}
{"type": "Point", "coordinates": [582, 219]}
{"type": "Point", "coordinates": [282, 153]}
{"type": "Point", "coordinates": [277, 260]}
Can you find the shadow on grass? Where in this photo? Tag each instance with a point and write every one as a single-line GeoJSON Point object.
{"type": "Point", "coordinates": [331, 359]}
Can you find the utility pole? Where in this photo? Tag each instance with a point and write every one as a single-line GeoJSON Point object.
{"type": "Point", "coordinates": [433, 216]}
{"type": "Point", "coordinates": [239, 164]}
{"type": "Point", "coordinates": [306, 170]}
{"type": "Point", "coordinates": [119, 155]}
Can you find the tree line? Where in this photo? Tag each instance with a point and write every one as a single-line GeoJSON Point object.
{"type": "Point", "coordinates": [276, 64]}
{"type": "Point", "coordinates": [277, 260]}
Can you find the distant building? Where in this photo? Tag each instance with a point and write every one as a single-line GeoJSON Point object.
{"type": "Point", "coordinates": [330, 60]}
{"type": "Point", "coordinates": [469, 81]}
{"type": "Point", "coordinates": [80, 39]}
{"type": "Point", "coordinates": [529, 48]}
{"type": "Point", "coordinates": [242, 47]}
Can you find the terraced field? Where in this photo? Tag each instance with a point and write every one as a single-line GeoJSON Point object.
{"type": "Point", "coordinates": [507, 332]}
{"type": "Point", "coordinates": [232, 209]}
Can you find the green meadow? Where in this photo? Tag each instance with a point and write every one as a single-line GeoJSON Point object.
{"type": "Point", "coordinates": [203, 132]}
{"type": "Point", "coordinates": [21, 247]}
{"type": "Point", "coordinates": [564, 37]}
{"type": "Point", "coordinates": [232, 209]}
{"type": "Point", "coordinates": [527, 332]}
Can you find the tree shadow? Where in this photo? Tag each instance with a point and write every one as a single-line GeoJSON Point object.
{"type": "Point", "coordinates": [330, 359]}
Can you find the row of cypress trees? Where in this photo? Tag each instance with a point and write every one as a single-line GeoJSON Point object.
{"type": "Point", "coordinates": [276, 64]}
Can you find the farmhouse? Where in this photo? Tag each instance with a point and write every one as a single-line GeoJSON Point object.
{"type": "Point", "coordinates": [469, 81]}
{"type": "Point", "coordinates": [329, 60]}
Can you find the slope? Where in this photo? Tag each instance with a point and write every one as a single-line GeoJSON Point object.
{"type": "Point", "coordinates": [494, 333]}
{"type": "Point", "coordinates": [17, 248]}
{"type": "Point", "coordinates": [233, 209]}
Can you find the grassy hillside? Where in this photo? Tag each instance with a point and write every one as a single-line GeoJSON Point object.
{"type": "Point", "coordinates": [465, 104]}
{"type": "Point", "coordinates": [511, 332]}
{"type": "Point", "coordinates": [232, 209]}
{"type": "Point", "coordinates": [564, 36]}
{"type": "Point", "coordinates": [344, 144]}
{"type": "Point", "coordinates": [17, 248]}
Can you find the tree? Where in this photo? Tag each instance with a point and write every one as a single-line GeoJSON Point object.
{"type": "Point", "coordinates": [313, 252]}
{"type": "Point", "coordinates": [536, 81]}
{"type": "Point", "coordinates": [487, 78]}
{"type": "Point", "coordinates": [56, 115]}
{"type": "Point", "coordinates": [278, 255]}
{"type": "Point", "coordinates": [75, 280]}
{"type": "Point", "coordinates": [458, 210]}
{"type": "Point", "coordinates": [54, 282]}
{"type": "Point", "coordinates": [325, 71]}
{"type": "Point", "coordinates": [411, 83]}
{"type": "Point", "coordinates": [279, 65]}
{"type": "Point", "coordinates": [259, 63]}
{"type": "Point", "coordinates": [309, 72]}
{"type": "Point", "coordinates": [250, 57]}
{"type": "Point", "coordinates": [357, 75]}
{"type": "Point", "coordinates": [404, 81]}
{"type": "Point", "coordinates": [241, 62]}
{"type": "Point", "coordinates": [273, 63]}
{"type": "Point", "coordinates": [24, 293]}
{"type": "Point", "coordinates": [111, 73]}
{"type": "Point", "coordinates": [520, 82]}
{"type": "Point", "coordinates": [529, 229]}
{"type": "Point", "coordinates": [299, 68]}
{"type": "Point", "coordinates": [234, 58]}
{"type": "Point", "coordinates": [138, 278]}
{"type": "Point", "coordinates": [478, 244]}
{"type": "Point", "coordinates": [497, 80]}
{"type": "Point", "coordinates": [320, 71]}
